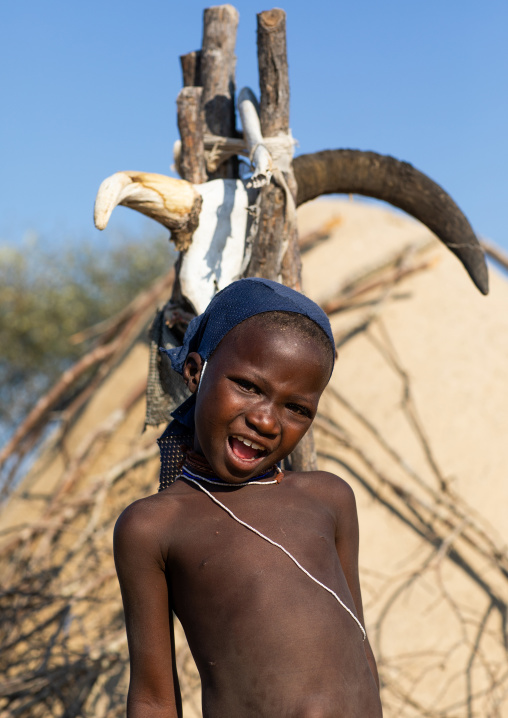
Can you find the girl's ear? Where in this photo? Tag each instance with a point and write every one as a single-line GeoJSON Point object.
{"type": "Point", "coordinates": [192, 371]}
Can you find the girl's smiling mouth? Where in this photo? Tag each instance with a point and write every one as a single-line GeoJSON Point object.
{"type": "Point", "coordinates": [245, 449]}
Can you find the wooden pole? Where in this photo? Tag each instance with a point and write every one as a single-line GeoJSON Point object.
{"type": "Point", "coordinates": [191, 69]}
{"type": "Point", "coordinates": [218, 63]}
{"type": "Point", "coordinates": [192, 157]}
{"type": "Point", "coordinates": [275, 252]}
{"type": "Point", "coordinates": [206, 104]}
{"type": "Point", "coordinates": [209, 79]}
{"type": "Point", "coordinates": [273, 72]}
{"type": "Point", "coordinates": [191, 165]}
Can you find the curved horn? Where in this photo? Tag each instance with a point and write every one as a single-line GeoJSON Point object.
{"type": "Point", "coordinates": [174, 203]}
{"type": "Point", "coordinates": [400, 184]}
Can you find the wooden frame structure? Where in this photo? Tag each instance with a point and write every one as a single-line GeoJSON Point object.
{"type": "Point", "coordinates": [207, 158]}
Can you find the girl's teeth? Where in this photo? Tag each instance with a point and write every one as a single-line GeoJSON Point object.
{"type": "Point", "coordinates": [248, 443]}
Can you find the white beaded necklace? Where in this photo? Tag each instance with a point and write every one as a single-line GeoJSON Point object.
{"type": "Point", "coordinates": [188, 474]}
{"type": "Point", "coordinates": [196, 479]}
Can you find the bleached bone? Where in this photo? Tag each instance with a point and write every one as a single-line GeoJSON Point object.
{"type": "Point", "coordinates": [209, 222]}
{"type": "Point", "coordinates": [215, 256]}
{"type": "Point", "coordinates": [259, 155]}
{"type": "Point", "coordinates": [174, 203]}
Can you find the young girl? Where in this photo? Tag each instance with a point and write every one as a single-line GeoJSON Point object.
{"type": "Point", "coordinates": [259, 565]}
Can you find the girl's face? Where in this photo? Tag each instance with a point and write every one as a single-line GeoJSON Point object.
{"type": "Point", "coordinates": [258, 397]}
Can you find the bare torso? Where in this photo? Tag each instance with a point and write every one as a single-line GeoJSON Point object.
{"type": "Point", "coordinates": [266, 639]}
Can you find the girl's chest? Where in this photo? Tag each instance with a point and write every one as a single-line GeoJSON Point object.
{"type": "Point", "coordinates": [249, 532]}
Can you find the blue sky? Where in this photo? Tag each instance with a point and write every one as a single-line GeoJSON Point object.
{"type": "Point", "coordinates": [89, 88]}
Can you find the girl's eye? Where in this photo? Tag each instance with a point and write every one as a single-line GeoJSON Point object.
{"type": "Point", "coordinates": [298, 409]}
{"type": "Point", "coordinates": [245, 384]}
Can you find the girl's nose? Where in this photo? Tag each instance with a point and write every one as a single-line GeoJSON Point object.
{"type": "Point", "coordinates": [263, 419]}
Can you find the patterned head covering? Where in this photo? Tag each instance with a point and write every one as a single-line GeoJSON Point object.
{"type": "Point", "coordinates": [239, 301]}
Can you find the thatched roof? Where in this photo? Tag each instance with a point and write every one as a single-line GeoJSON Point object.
{"type": "Point", "coordinates": [414, 418]}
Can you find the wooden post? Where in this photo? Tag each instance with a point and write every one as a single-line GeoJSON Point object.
{"type": "Point", "coordinates": [209, 79]}
{"type": "Point", "coordinates": [192, 157]}
{"type": "Point", "coordinates": [275, 252]}
{"type": "Point", "coordinates": [206, 104]}
{"type": "Point", "coordinates": [218, 63]}
{"type": "Point", "coordinates": [191, 69]}
{"type": "Point", "coordinates": [273, 72]}
{"type": "Point", "coordinates": [212, 70]}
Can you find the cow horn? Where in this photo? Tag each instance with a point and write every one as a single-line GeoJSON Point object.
{"type": "Point", "coordinates": [400, 184]}
{"type": "Point", "coordinates": [174, 203]}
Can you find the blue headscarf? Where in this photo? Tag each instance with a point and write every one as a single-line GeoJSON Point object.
{"type": "Point", "coordinates": [239, 301]}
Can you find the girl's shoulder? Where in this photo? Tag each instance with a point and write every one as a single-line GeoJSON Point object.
{"type": "Point", "coordinates": [147, 517]}
{"type": "Point", "coordinates": [325, 486]}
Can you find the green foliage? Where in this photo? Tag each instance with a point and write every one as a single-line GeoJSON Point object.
{"type": "Point", "coordinates": [47, 295]}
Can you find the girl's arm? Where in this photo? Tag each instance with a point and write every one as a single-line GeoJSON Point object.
{"type": "Point", "coordinates": [347, 543]}
{"type": "Point", "coordinates": [140, 564]}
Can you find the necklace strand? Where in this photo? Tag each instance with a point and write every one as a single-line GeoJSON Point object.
{"type": "Point", "coordinates": [197, 480]}
{"type": "Point", "coordinates": [186, 473]}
